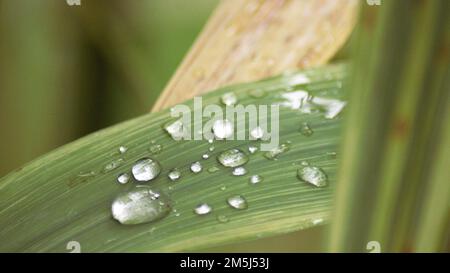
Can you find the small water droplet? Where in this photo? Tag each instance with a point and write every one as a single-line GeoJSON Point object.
{"type": "Point", "coordinates": [222, 219]}
{"type": "Point", "coordinates": [222, 129]}
{"type": "Point", "coordinates": [113, 165]}
{"type": "Point", "coordinates": [123, 149]}
{"type": "Point", "coordinates": [317, 221]}
{"type": "Point", "coordinates": [202, 209]}
{"type": "Point", "coordinates": [232, 158]}
{"type": "Point", "coordinates": [256, 93]}
{"type": "Point", "coordinates": [211, 149]}
{"type": "Point", "coordinates": [156, 149]}
{"type": "Point", "coordinates": [174, 174]}
{"type": "Point", "coordinates": [332, 155]}
{"type": "Point", "coordinates": [275, 152]}
{"type": "Point", "coordinates": [239, 171]}
{"type": "Point", "coordinates": [313, 175]}
{"type": "Point", "coordinates": [257, 133]}
{"type": "Point", "coordinates": [196, 167]}
{"type": "Point", "coordinates": [141, 205]}
{"type": "Point", "coordinates": [213, 169]}
{"type": "Point", "coordinates": [210, 141]}
{"type": "Point", "coordinates": [223, 188]}
{"type": "Point", "coordinates": [229, 99]}
{"type": "Point", "coordinates": [123, 178]}
{"type": "Point", "coordinates": [237, 202]}
{"type": "Point", "coordinates": [255, 179]}
{"type": "Point", "coordinates": [86, 174]}
{"type": "Point", "coordinates": [146, 169]}
{"type": "Point", "coordinates": [175, 129]}
{"type": "Point", "coordinates": [306, 130]}
{"type": "Point", "coordinates": [304, 163]}
{"type": "Point", "coordinates": [205, 156]}
{"type": "Point", "coordinates": [252, 149]}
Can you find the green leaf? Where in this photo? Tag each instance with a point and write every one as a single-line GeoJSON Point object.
{"type": "Point", "coordinates": [66, 195]}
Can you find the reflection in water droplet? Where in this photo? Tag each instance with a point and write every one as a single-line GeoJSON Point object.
{"type": "Point", "coordinates": [275, 152]}
{"type": "Point", "coordinates": [313, 175]}
{"type": "Point", "coordinates": [174, 175]}
{"type": "Point", "coordinates": [232, 158]}
{"type": "Point", "coordinates": [123, 178]}
{"type": "Point", "coordinates": [205, 156]}
{"type": "Point", "coordinates": [306, 130]}
{"type": "Point", "coordinates": [141, 205]}
{"type": "Point", "coordinates": [202, 209]}
{"type": "Point", "coordinates": [222, 219]}
{"type": "Point", "coordinates": [237, 202]}
{"type": "Point", "coordinates": [255, 179]}
{"type": "Point", "coordinates": [196, 167]}
{"type": "Point", "coordinates": [239, 171]}
{"type": "Point", "coordinates": [229, 99]}
{"type": "Point", "coordinates": [223, 129]}
{"type": "Point", "coordinates": [146, 169]}
{"type": "Point", "coordinates": [113, 165]}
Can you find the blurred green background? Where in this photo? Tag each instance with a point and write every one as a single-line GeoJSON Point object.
{"type": "Point", "coordinates": [66, 71]}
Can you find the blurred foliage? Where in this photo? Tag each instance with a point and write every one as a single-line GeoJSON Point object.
{"type": "Point", "coordinates": [66, 70]}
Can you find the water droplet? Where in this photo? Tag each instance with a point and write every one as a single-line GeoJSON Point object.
{"type": "Point", "coordinates": [275, 152]}
{"type": "Point", "coordinates": [213, 169]}
{"type": "Point", "coordinates": [86, 174]}
{"type": "Point", "coordinates": [174, 174]}
{"type": "Point", "coordinates": [239, 171]}
{"type": "Point", "coordinates": [202, 209]}
{"type": "Point", "coordinates": [175, 129]}
{"type": "Point", "coordinates": [211, 149]}
{"type": "Point", "coordinates": [205, 156]}
{"type": "Point", "coordinates": [113, 165]}
{"type": "Point", "coordinates": [317, 221]}
{"type": "Point", "coordinates": [252, 149]}
{"type": "Point", "coordinates": [123, 149]}
{"type": "Point", "coordinates": [223, 188]}
{"type": "Point", "coordinates": [255, 179]}
{"type": "Point", "coordinates": [146, 169]}
{"type": "Point", "coordinates": [123, 178]}
{"type": "Point", "coordinates": [332, 155]}
{"type": "Point", "coordinates": [222, 129]}
{"type": "Point", "coordinates": [196, 167]}
{"type": "Point", "coordinates": [313, 175]}
{"type": "Point", "coordinates": [304, 163]}
{"type": "Point", "coordinates": [156, 149]}
{"type": "Point", "coordinates": [256, 93]}
{"type": "Point", "coordinates": [232, 158]}
{"type": "Point", "coordinates": [229, 99]}
{"type": "Point", "coordinates": [306, 130]}
{"type": "Point", "coordinates": [222, 219]}
{"type": "Point", "coordinates": [141, 205]}
{"type": "Point", "coordinates": [237, 202]}
{"type": "Point", "coordinates": [210, 140]}
{"type": "Point", "coordinates": [332, 107]}
{"type": "Point", "coordinates": [257, 133]}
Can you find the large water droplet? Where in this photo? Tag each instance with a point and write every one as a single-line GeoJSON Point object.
{"type": "Point", "coordinates": [202, 209]}
{"type": "Point", "coordinates": [257, 133]}
{"type": "Point", "coordinates": [223, 129]}
{"type": "Point", "coordinates": [140, 205]}
{"type": "Point", "coordinates": [174, 175]}
{"type": "Point", "coordinates": [305, 129]}
{"type": "Point", "coordinates": [146, 169]}
{"type": "Point", "coordinates": [229, 99]}
{"type": "Point", "coordinates": [255, 179]}
{"type": "Point", "coordinates": [196, 167]}
{"type": "Point", "coordinates": [113, 165]}
{"type": "Point", "coordinates": [237, 202]}
{"type": "Point", "coordinates": [239, 171]}
{"type": "Point", "coordinates": [313, 175]}
{"type": "Point", "coordinates": [232, 158]}
{"type": "Point", "coordinates": [275, 152]}
{"type": "Point", "coordinates": [123, 178]}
